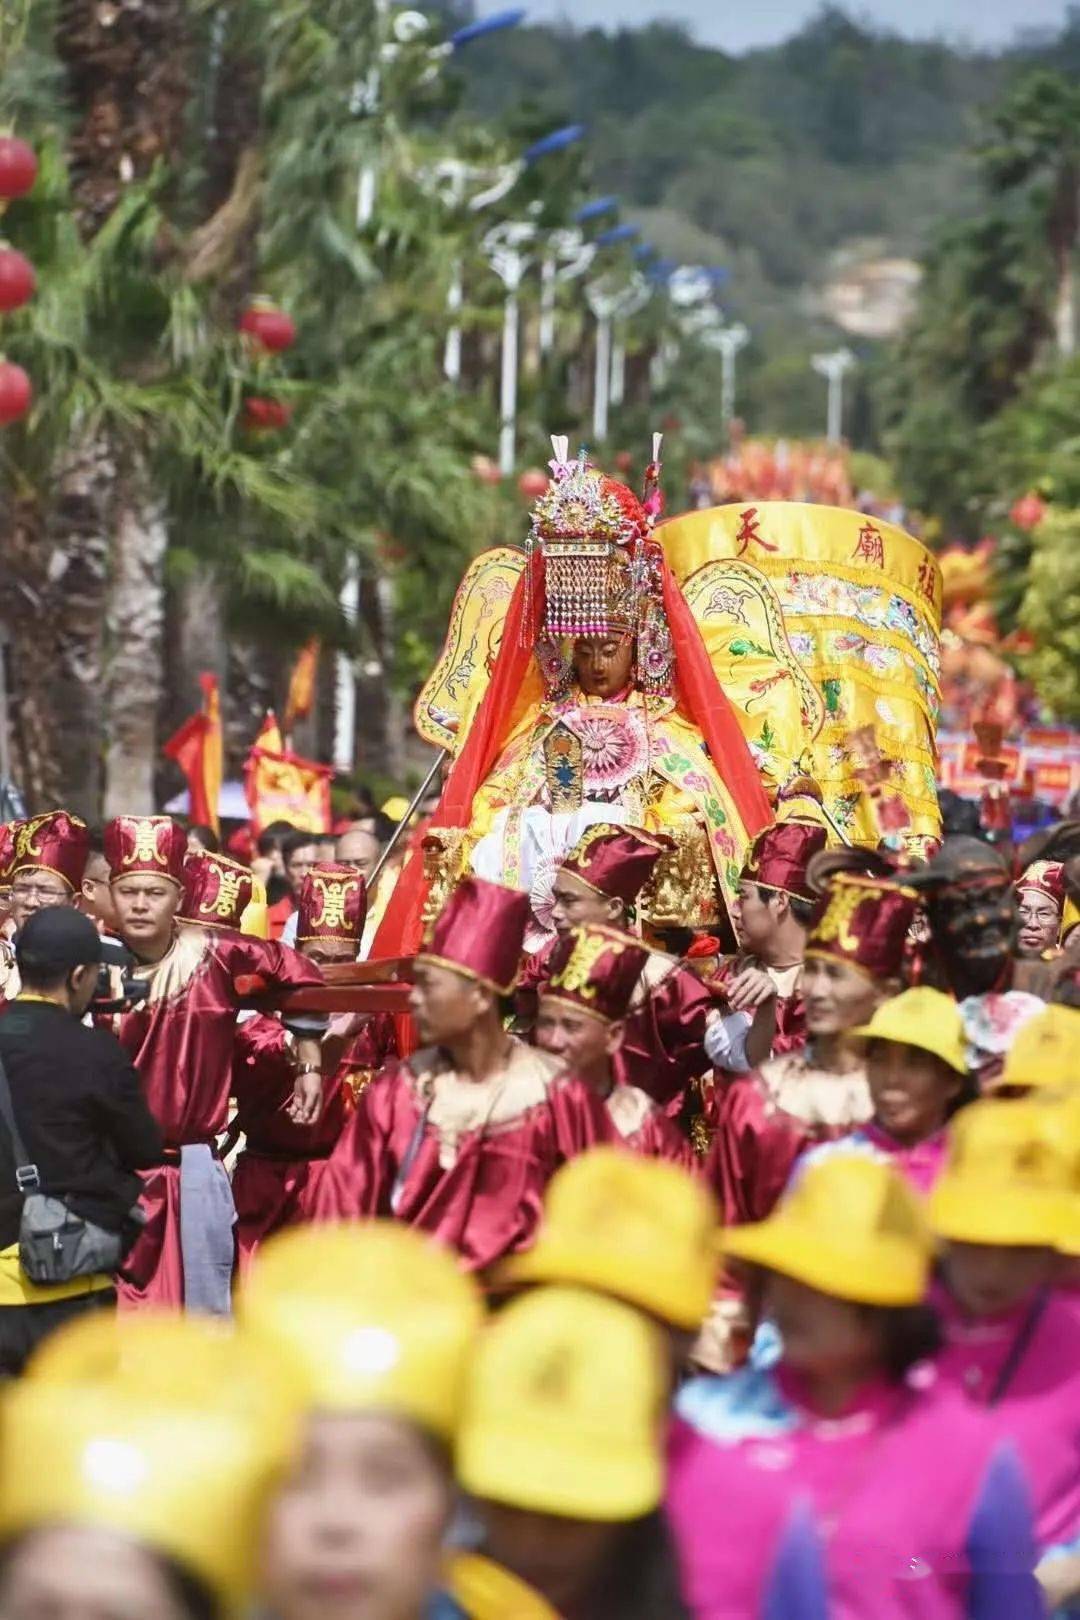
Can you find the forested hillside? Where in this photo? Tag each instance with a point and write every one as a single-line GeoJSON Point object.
{"type": "Point", "coordinates": [793, 166]}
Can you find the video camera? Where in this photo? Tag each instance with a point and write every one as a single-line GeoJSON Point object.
{"type": "Point", "coordinates": [117, 974]}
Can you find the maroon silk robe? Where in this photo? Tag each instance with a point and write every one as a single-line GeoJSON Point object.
{"type": "Point", "coordinates": [276, 1174]}
{"type": "Point", "coordinates": [646, 1129]}
{"type": "Point", "coordinates": [465, 1160]}
{"type": "Point", "coordinates": [766, 1119]}
{"type": "Point", "coordinates": [181, 1040]}
{"type": "Point", "coordinates": [662, 1047]}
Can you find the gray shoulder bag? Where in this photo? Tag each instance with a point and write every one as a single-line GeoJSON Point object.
{"type": "Point", "coordinates": [55, 1245]}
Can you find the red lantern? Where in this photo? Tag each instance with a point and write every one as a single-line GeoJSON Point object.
{"type": "Point", "coordinates": [266, 415]}
{"type": "Point", "coordinates": [1029, 511]}
{"type": "Point", "coordinates": [268, 326]}
{"type": "Point", "coordinates": [533, 483]}
{"type": "Point", "coordinates": [17, 279]}
{"type": "Point", "coordinates": [15, 392]}
{"type": "Point", "coordinates": [18, 168]}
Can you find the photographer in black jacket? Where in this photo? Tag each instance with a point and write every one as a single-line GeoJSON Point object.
{"type": "Point", "coordinates": [80, 1111]}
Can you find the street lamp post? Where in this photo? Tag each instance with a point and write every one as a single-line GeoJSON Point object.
{"type": "Point", "coordinates": [507, 247]}
{"type": "Point", "coordinates": [834, 367]}
{"type": "Point", "coordinates": [728, 340]}
{"type": "Point", "coordinates": [345, 675]}
{"type": "Point", "coordinates": [568, 256]}
{"type": "Point", "coordinates": [407, 30]}
{"type": "Point", "coordinates": [609, 302]}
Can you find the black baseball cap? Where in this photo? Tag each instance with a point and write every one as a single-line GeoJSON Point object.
{"type": "Point", "coordinates": [55, 940]}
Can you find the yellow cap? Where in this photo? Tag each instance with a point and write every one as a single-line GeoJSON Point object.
{"type": "Point", "coordinates": [396, 808]}
{"type": "Point", "coordinates": [563, 1412]}
{"type": "Point", "coordinates": [1060, 1116]}
{"type": "Point", "coordinates": [641, 1229]}
{"type": "Point", "coordinates": [924, 1018]}
{"type": "Point", "coordinates": [255, 917]}
{"type": "Point", "coordinates": [162, 1429]}
{"type": "Point", "coordinates": [1006, 1180]}
{"type": "Point", "coordinates": [850, 1226]}
{"type": "Point", "coordinates": [372, 1315]}
{"type": "Point", "coordinates": [487, 1591]}
{"type": "Point", "coordinates": [1046, 1051]}
{"type": "Point", "coordinates": [1069, 918]}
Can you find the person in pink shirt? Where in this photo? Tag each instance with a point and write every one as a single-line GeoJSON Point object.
{"type": "Point", "coordinates": [917, 1511]}
{"type": "Point", "coordinates": [1012, 1336]}
{"type": "Point", "coordinates": [917, 1074]}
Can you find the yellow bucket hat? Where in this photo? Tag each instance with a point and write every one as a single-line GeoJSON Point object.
{"type": "Point", "coordinates": [564, 1409]}
{"type": "Point", "coordinates": [1060, 1116]}
{"type": "Point", "coordinates": [924, 1018]}
{"type": "Point", "coordinates": [396, 808]}
{"type": "Point", "coordinates": [372, 1315]}
{"type": "Point", "coordinates": [1046, 1051]}
{"type": "Point", "coordinates": [640, 1229]}
{"type": "Point", "coordinates": [164, 1430]}
{"type": "Point", "coordinates": [1006, 1179]}
{"type": "Point", "coordinates": [850, 1226]}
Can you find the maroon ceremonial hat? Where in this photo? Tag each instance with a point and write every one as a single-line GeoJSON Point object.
{"type": "Point", "coordinates": [780, 855]}
{"type": "Point", "coordinates": [217, 890]}
{"type": "Point", "coordinates": [865, 924]}
{"type": "Point", "coordinates": [1045, 877]}
{"type": "Point", "coordinates": [595, 969]}
{"type": "Point", "coordinates": [333, 905]}
{"type": "Point", "coordinates": [615, 861]}
{"type": "Point", "coordinates": [137, 846]}
{"type": "Point", "coordinates": [480, 933]}
{"type": "Point", "coordinates": [54, 842]}
{"type": "Point", "coordinates": [7, 852]}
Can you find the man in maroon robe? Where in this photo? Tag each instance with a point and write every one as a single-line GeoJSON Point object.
{"type": "Point", "coordinates": [854, 958]}
{"type": "Point", "coordinates": [47, 860]}
{"type": "Point", "coordinates": [593, 973]}
{"type": "Point", "coordinates": [774, 914]}
{"type": "Point", "coordinates": [180, 1037]}
{"type": "Point", "coordinates": [277, 1174]}
{"type": "Point", "coordinates": [461, 1138]}
{"type": "Point", "coordinates": [662, 1050]}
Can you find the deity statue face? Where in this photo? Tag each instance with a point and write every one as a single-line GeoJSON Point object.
{"type": "Point", "coordinates": [603, 665]}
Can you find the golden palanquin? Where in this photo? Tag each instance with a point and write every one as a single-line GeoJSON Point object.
{"type": "Point", "coordinates": [820, 622]}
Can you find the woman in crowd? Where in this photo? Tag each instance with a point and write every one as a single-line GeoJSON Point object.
{"type": "Point", "coordinates": [561, 1449]}
{"type": "Point", "coordinates": [915, 1511]}
{"type": "Point", "coordinates": [375, 1324]}
{"type": "Point", "coordinates": [1001, 1210]}
{"type": "Point", "coordinates": [136, 1460]}
{"type": "Point", "coordinates": [915, 1068]}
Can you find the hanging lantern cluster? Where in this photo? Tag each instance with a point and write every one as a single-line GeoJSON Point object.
{"type": "Point", "coordinates": [18, 171]}
{"type": "Point", "coordinates": [266, 330]}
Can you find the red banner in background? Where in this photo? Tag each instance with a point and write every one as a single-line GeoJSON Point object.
{"type": "Point", "coordinates": [197, 748]}
{"type": "Point", "coordinates": [301, 698]}
{"type": "Point", "coordinates": [1043, 761]}
{"type": "Point", "coordinates": [280, 786]}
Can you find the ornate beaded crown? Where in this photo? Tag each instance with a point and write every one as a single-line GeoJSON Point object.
{"type": "Point", "coordinates": [601, 570]}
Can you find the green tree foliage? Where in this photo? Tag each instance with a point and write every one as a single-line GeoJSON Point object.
{"type": "Point", "coordinates": [1050, 611]}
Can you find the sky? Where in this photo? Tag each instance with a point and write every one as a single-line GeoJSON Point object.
{"type": "Point", "coordinates": [736, 25]}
